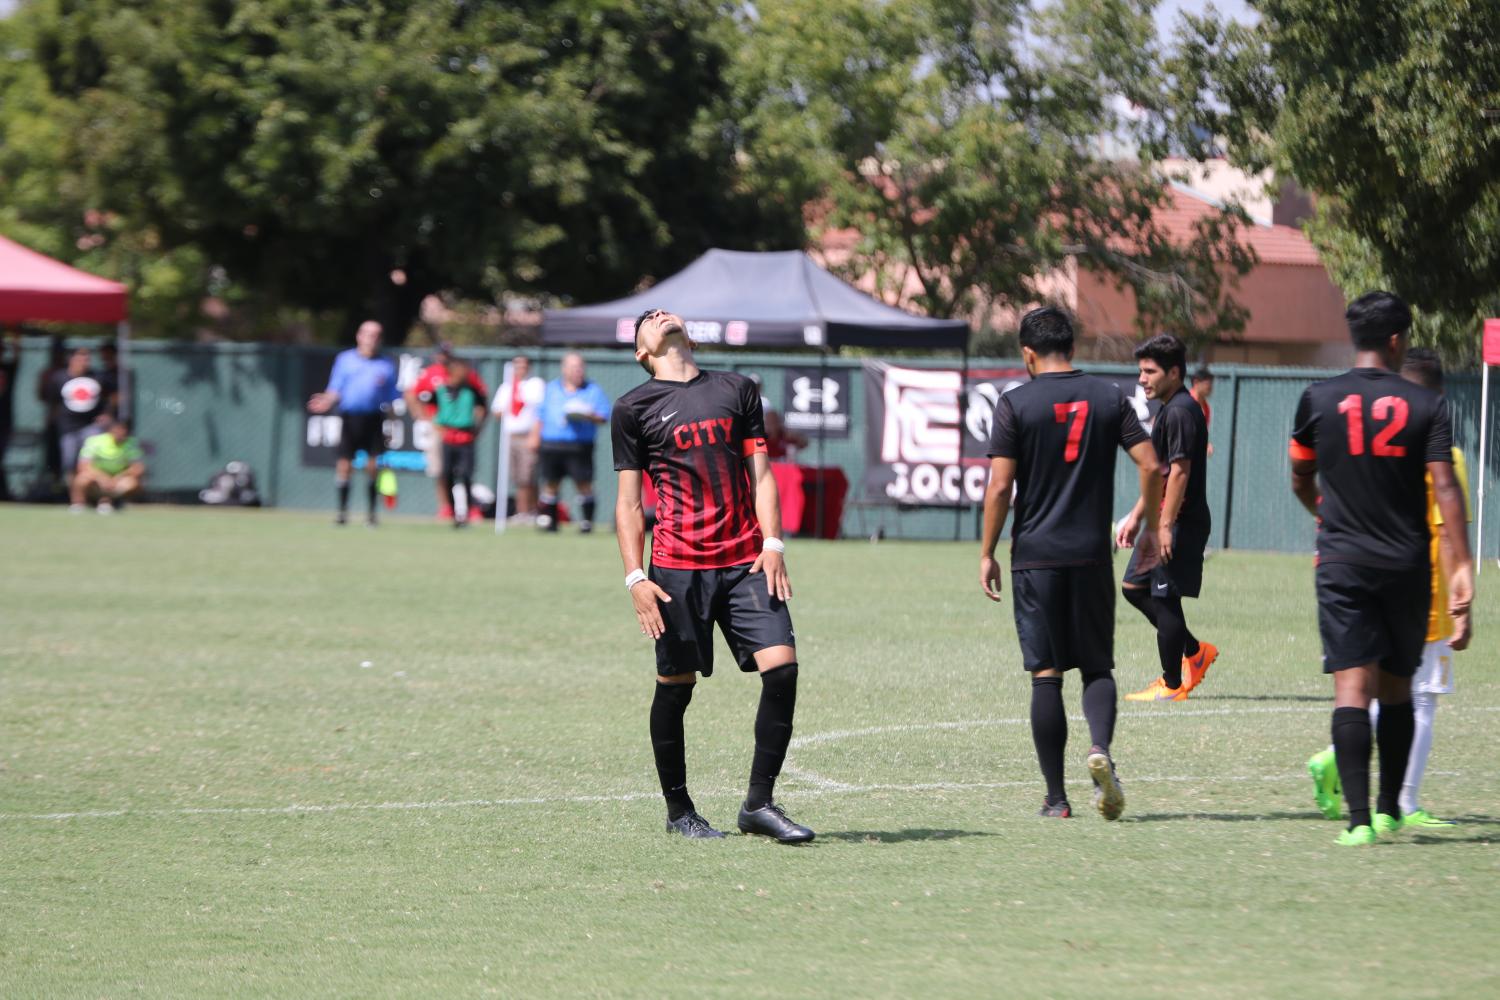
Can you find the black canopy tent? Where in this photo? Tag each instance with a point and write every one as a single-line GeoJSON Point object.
{"type": "Point", "coordinates": [770, 301]}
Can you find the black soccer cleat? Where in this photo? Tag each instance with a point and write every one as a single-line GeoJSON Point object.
{"type": "Point", "coordinates": [692, 826]}
{"type": "Point", "coordinates": [1056, 810]}
{"type": "Point", "coordinates": [770, 820]}
{"type": "Point", "coordinates": [1109, 794]}
{"type": "Point", "coordinates": [341, 518]}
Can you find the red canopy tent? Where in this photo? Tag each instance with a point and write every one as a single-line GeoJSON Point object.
{"type": "Point", "coordinates": [34, 287]}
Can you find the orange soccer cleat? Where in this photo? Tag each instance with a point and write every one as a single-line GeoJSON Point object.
{"type": "Point", "coordinates": [1157, 690]}
{"type": "Point", "coordinates": [1195, 668]}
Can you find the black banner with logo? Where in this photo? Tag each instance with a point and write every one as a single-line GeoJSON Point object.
{"type": "Point", "coordinates": [817, 400]}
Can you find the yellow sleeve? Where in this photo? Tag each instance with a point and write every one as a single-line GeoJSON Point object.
{"type": "Point", "coordinates": [1461, 470]}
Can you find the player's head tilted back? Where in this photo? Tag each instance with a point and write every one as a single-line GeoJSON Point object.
{"type": "Point", "coordinates": [1046, 333]}
{"type": "Point", "coordinates": [1163, 365]}
{"type": "Point", "coordinates": [1379, 322]}
{"type": "Point", "coordinates": [656, 332]}
{"type": "Point", "coordinates": [1423, 367]}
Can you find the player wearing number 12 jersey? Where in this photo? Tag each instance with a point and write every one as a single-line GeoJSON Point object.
{"type": "Point", "coordinates": [1369, 439]}
{"type": "Point", "coordinates": [1054, 440]}
{"type": "Point", "coordinates": [716, 559]}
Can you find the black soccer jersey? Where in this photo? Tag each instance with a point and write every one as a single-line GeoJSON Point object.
{"type": "Point", "coordinates": [692, 439]}
{"type": "Point", "coordinates": [1181, 432]}
{"type": "Point", "coordinates": [1062, 428]}
{"type": "Point", "coordinates": [1372, 434]}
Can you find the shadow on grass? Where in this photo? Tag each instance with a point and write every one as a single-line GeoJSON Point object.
{"type": "Point", "coordinates": [899, 836]}
{"type": "Point", "coordinates": [1327, 698]}
{"type": "Point", "coordinates": [1248, 817]}
{"type": "Point", "coordinates": [1430, 839]}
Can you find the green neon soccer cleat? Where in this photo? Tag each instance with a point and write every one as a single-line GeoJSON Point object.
{"type": "Point", "coordinates": [1386, 826]}
{"type": "Point", "coordinates": [1421, 819]}
{"type": "Point", "coordinates": [1360, 836]}
{"type": "Point", "coordinates": [1326, 789]}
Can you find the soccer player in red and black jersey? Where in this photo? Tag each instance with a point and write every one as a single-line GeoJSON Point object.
{"type": "Point", "coordinates": [716, 559]}
{"type": "Point", "coordinates": [1054, 440]}
{"type": "Point", "coordinates": [1169, 566]}
{"type": "Point", "coordinates": [1363, 444]}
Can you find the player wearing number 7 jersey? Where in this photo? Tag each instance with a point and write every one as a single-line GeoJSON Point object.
{"type": "Point", "coordinates": [1363, 445]}
{"type": "Point", "coordinates": [1054, 439]}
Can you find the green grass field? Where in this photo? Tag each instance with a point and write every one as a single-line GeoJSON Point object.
{"type": "Point", "coordinates": [250, 754]}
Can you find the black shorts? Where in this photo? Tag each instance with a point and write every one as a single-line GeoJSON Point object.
{"type": "Point", "coordinates": [1372, 615]}
{"type": "Point", "coordinates": [1183, 576]}
{"type": "Point", "coordinates": [362, 432]}
{"type": "Point", "coordinates": [557, 462]}
{"type": "Point", "coordinates": [733, 599]}
{"type": "Point", "coordinates": [458, 461]}
{"type": "Point", "coordinates": [1065, 617]}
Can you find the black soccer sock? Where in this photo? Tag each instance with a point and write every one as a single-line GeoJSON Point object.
{"type": "Point", "coordinates": [1171, 638]}
{"type": "Point", "coordinates": [1099, 697]}
{"type": "Point", "coordinates": [343, 486]}
{"type": "Point", "coordinates": [1351, 748]}
{"type": "Point", "coordinates": [667, 710]}
{"type": "Point", "coordinates": [773, 732]}
{"type": "Point", "coordinates": [587, 503]}
{"type": "Point", "coordinates": [371, 495]}
{"type": "Point", "coordinates": [1393, 736]}
{"type": "Point", "coordinates": [1049, 731]}
{"type": "Point", "coordinates": [1140, 599]}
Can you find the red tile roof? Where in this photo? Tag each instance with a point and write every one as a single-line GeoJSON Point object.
{"type": "Point", "coordinates": [1272, 244]}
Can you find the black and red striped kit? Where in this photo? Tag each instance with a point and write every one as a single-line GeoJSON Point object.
{"type": "Point", "coordinates": [692, 439]}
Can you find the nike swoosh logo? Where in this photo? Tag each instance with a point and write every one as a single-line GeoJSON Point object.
{"type": "Point", "coordinates": [669, 416]}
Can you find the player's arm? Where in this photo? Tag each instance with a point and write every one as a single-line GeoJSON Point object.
{"type": "Point", "coordinates": [996, 510]}
{"type": "Point", "coordinates": [322, 402]}
{"type": "Point", "coordinates": [1148, 467]}
{"type": "Point", "coordinates": [1176, 491]}
{"type": "Point", "coordinates": [1305, 483]}
{"type": "Point", "coordinates": [479, 414]}
{"type": "Point", "coordinates": [1304, 454]}
{"type": "Point", "coordinates": [768, 516]}
{"type": "Point", "coordinates": [630, 532]}
{"type": "Point", "coordinates": [1450, 501]}
{"type": "Point", "coordinates": [1130, 525]}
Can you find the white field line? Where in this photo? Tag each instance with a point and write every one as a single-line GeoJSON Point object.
{"type": "Point", "coordinates": [821, 784]}
{"type": "Point", "coordinates": [834, 736]}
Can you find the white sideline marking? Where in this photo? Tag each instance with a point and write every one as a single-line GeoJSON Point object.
{"type": "Point", "coordinates": [821, 785]}
{"type": "Point", "coordinates": [835, 735]}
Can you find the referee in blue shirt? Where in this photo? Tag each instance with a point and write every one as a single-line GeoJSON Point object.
{"type": "Point", "coordinates": [572, 410]}
{"type": "Point", "coordinates": [361, 387]}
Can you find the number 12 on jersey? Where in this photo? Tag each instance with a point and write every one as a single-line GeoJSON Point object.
{"type": "Point", "coordinates": [1392, 409]}
{"type": "Point", "coordinates": [1079, 414]}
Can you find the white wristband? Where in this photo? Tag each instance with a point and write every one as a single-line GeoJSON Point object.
{"type": "Point", "coordinates": [634, 577]}
{"type": "Point", "coordinates": [773, 545]}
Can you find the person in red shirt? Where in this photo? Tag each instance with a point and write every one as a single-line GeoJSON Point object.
{"type": "Point", "coordinates": [1203, 387]}
{"type": "Point", "coordinates": [420, 403]}
{"type": "Point", "coordinates": [716, 558]}
{"type": "Point", "coordinates": [458, 416]}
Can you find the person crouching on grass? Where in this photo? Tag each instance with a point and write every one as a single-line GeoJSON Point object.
{"type": "Point", "coordinates": [458, 415]}
{"type": "Point", "coordinates": [111, 465]}
{"type": "Point", "coordinates": [716, 558]}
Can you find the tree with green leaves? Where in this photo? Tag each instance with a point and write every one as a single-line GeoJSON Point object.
{"type": "Point", "coordinates": [968, 142]}
{"type": "Point", "coordinates": [352, 158]}
{"type": "Point", "coordinates": [1378, 107]}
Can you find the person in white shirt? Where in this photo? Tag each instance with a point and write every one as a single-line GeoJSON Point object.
{"type": "Point", "coordinates": [521, 409]}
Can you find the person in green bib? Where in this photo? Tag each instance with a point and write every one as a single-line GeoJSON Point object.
{"type": "Point", "coordinates": [458, 415]}
{"type": "Point", "coordinates": [111, 465]}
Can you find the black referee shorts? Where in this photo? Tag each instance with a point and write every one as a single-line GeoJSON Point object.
{"type": "Point", "coordinates": [362, 432]}
{"type": "Point", "coordinates": [733, 599]}
{"type": "Point", "coordinates": [1183, 576]}
{"type": "Point", "coordinates": [556, 462]}
{"type": "Point", "coordinates": [1065, 617]}
{"type": "Point", "coordinates": [1372, 615]}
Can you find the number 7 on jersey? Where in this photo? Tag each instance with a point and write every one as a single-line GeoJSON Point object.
{"type": "Point", "coordinates": [1079, 412]}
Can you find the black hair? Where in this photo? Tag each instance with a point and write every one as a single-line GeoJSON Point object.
{"type": "Point", "coordinates": [1203, 374]}
{"type": "Point", "coordinates": [1047, 331]}
{"type": "Point", "coordinates": [1375, 317]}
{"type": "Point", "coordinates": [1167, 351]}
{"type": "Point", "coordinates": [1425, 368]}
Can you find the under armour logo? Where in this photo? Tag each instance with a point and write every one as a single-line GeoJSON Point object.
{"type": "Point", "coordinates": [805, 394]}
